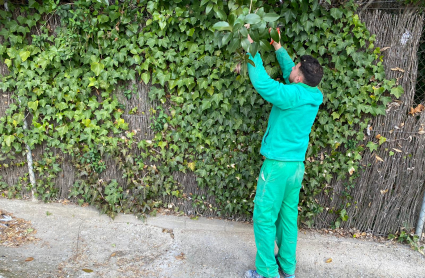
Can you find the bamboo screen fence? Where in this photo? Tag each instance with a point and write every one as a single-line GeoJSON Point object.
{"type": "Point", "coordinates": [387, 194]}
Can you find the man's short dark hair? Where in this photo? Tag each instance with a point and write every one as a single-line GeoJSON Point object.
{"type": "Point", "coordinates": [311, 70]}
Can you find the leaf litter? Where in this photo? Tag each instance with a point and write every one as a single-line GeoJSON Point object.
{"type": "Point", "coordinates": [15, 231]}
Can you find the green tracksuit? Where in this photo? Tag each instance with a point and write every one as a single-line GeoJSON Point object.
{"type": "Point", "coordinates": [284, 145]}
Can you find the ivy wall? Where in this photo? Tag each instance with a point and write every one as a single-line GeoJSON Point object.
{"type": "Point", "coordinates": [136, 105]}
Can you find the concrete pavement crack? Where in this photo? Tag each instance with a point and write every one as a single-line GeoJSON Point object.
{"type": "Point", "coordinates": [78, 238]}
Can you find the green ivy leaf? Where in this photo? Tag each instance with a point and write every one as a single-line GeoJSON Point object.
{"type": "Point", "coordinates": [221, 14]}
{"type": "Point", "coordinates": [372, 146]}
{"type": "Point", "coordinates": [33, 105]}
{"type": "Point", "coordinates": [24, 55]}
{"type": "Point", "coordinates": [8, 63]}
{"type": "Point", "coordinates": [12, 53]}
{"type": "Point", "coordinates": [274, 35]}
{"type": "Point", "coordinates": [245, 44]}
{"type": "Point", "coordinates": [206, 103]}
{"type": "Point", "coordinates": [335, 115]}
{"type": "Point", "coordinates": [97, 68]}
{"type": "Point", "coordinates": [382, 140]}
{"type": "Point", "coordinates": [222, 25]}
{"type": "Point", "coordinates": [252, 18]}
{"type": "Point", "coordinates": [226, 38]}
{"type": "Point", "coordinates": [162, 144]}
{"type": "Point", "coordinates": [271, 17]}
{"type": "Point", "coordinates": [397, 91]}
{"type": "Point", "coordinates": [336, 13]}
{"type": "Point", "coordinates": [190, 32]}
{"type": "Point", "coordinates": [253, 48]}
{"type": "Point", "coordinates": [162, 24]}
{"type": "Point", "coordinates": [62, 130]}
{"type": "Point", "coordinates": [145, 77]}
{"type": "Point", "coordinates": [86, 122]}
{"type": "Point", "coordinates": [103, 18]}
{"type": "Point", "coordinates": [209, 8]}
{"type": "Point", "coordinates": [234, 44]}
{"type": "Point", "coordinates": [8, 139]}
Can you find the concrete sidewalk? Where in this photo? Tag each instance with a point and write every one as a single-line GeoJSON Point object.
{"type": "Point", "coordinates": [73, 238]}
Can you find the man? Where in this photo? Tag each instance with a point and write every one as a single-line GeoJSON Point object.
{"type": "Point", "coordinates": [295, 106]}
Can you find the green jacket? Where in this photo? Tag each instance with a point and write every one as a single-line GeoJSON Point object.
{"type": "Point", "coordinates": [295, 107]}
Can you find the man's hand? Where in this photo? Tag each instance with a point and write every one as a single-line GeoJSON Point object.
{"type": "Point", "coordinates": [249, 37]}
{"type": "Point", "coordinates": [276, 45]}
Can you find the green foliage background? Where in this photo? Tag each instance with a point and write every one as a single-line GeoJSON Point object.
{"type": "Point", "coordinates": [213, 119]}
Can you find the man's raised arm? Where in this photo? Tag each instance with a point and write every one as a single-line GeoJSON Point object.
{"type": "Point", "coordinates": [284, 60]}
{"type": "Point", "coordinates": [283, 96]}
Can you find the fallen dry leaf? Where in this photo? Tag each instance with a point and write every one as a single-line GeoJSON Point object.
{"type": "Point", "coordinates": [385, 48]}
{"type": "Point", "coordinates": [378, 158]}
{"type": "Point", "coordinates": [384, 191]}
{"type": "Point", "coordinates": [15, 231]}
{"type": "Point", "coordinates": [29, 259]}
{"type": "Point", "coordinates": [181, 256]}
{"type": "Point", "coordinates": [87, 270]}
{"type": "Point", "coordinates": [397, 150]}
{"type": "Point", "coordinates": [65, 202]}
{"type": "Point", "coordinates": [113, 254]}
{"type": "Point", "coordinates": [378, 136]}
{"type": "Point", "coordinates": [417, 110]}
{"type": "Point", "coordinates": [328, 260]}
{"type": "Point", "coordinates": [398, 69]}
{"type": "Point", "coordinates": [421, 132]}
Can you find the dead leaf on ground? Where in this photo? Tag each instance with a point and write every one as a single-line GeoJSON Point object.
{"type": "Point", "coordinates": [65, 202]}
{"type": "Point", "coordinates": [329, 260]}
{"type": "Point", "coordinates": [87, 270]}
{"type": "Point", "coordinates": [384, 191]}
{"type": "Point", "coordinates": [378, 136]}
{"type": "Point", "coordinates": [113, 254]}
{"type": "Point", "coordinates": [182, 256]}
{"type": "Point", "coordinates": [15, 231]}
{"type": "Point", "coordinates": [29, 259]}
{"type": "Point", "coordinates": [170, 231]}
{"type": "Point", "coordinates": [397, 150]}
{"type": "Point", "coordinates": [385, 48]}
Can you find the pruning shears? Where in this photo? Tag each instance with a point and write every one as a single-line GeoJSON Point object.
{"type": "Point", "coordinates": [278, 31]}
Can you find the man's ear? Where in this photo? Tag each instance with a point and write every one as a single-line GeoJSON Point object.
{"type": "Point", "coordinates": [301, 78]}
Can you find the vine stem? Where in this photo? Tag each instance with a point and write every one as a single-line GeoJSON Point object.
{"type": "Point", "coordinates": [250, 6]}
{"type": "Point", "coordinates": [29, 154]}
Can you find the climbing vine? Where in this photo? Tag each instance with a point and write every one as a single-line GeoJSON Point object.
{"type": "Point", "coordinates": [65, 80]}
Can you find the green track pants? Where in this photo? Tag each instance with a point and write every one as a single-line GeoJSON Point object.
{"type": "Point", "coordinates": [275, 215]}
